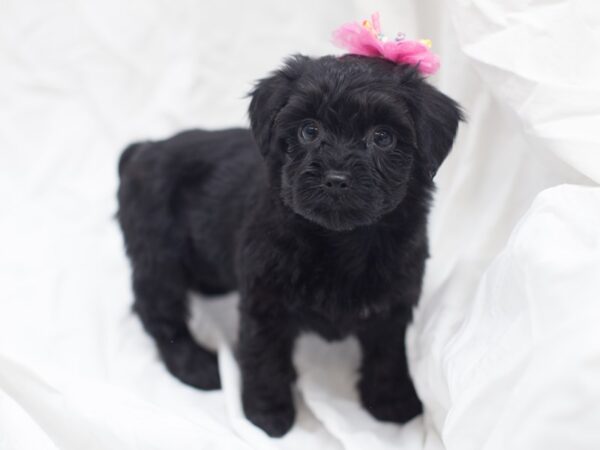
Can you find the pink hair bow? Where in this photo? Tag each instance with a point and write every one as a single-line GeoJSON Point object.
{"type": "Point", "coordinates": [367, 39]}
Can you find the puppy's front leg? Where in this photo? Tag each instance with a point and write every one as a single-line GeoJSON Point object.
{"type": "Point", "coordinates": [265, 354]}
{"type": "Point", "coordinates": [385, 387]}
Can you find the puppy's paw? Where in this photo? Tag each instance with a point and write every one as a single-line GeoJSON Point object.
{"type": "Point", "coordinates": [274, 419]}
{"type": "Point", "coordinates": [391, 404]}
{"type": "Point", "coordinates": [192, 364]}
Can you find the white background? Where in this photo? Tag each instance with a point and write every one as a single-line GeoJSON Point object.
{"type": "Point", "coordinates": [505, 349]}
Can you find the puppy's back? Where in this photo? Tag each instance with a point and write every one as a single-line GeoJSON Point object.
{"type": "Point", "coordinates": [182, 198]}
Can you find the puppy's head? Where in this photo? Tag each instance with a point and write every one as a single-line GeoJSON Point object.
{"type": "Point", "coordinates": [343, 136]}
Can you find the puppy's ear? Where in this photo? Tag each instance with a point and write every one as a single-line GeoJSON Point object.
{"type": "Point", "coordinates": [269, 96]}
{"type": "Point", "coordinates": [436, 118]}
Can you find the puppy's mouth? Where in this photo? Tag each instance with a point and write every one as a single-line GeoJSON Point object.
{"type": "Point", "coordinates": [338, 212]}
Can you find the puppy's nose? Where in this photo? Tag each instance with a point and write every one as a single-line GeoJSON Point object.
{"type": "Point", "coordinates": [336, 181]}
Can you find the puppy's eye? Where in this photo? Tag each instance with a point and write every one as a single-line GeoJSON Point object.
{"type": "Point", "coordinates": [309, 132]}
{"type": "Point", "coordinates": [383, 138]}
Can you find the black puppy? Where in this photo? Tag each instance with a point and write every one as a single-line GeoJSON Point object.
{"type": "Point", "coordinates": [325, 232]}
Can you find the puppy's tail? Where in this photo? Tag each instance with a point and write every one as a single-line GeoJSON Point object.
{"type": "Point", "coordinates": [127, 154]}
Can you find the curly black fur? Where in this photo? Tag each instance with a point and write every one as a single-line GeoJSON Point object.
{"type": "Point", "coordinates": [337, 254]}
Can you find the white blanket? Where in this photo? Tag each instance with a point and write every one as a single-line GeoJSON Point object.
{"type": "Point", "coordinates": [505, 347]}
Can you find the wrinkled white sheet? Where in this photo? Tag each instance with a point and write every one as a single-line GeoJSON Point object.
{"type": "Point", "coordinates": [505, 348]}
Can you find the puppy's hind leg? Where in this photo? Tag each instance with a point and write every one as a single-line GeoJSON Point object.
{"type": "Point", "coordinates": [161, 303]}
{"type": "Point", "coordinates": [154, 244]}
